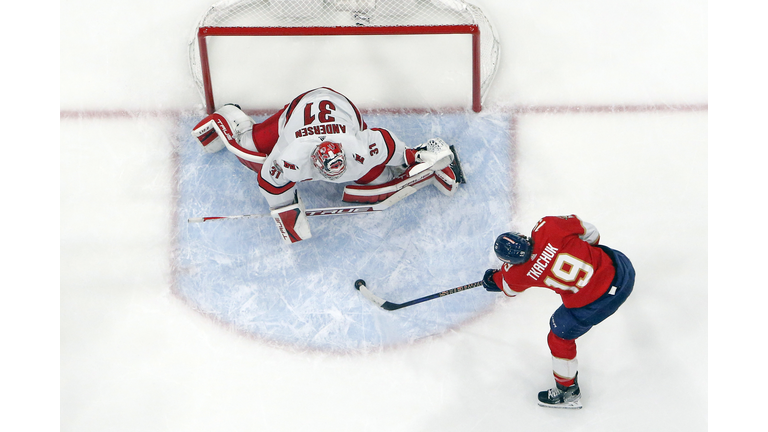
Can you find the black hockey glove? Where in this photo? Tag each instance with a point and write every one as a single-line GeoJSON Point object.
{"type": "Point", "coordinates": [488, 282]}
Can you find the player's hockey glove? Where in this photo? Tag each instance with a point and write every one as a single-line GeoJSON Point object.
{"type": "Point", "coordinates": [488, 282]}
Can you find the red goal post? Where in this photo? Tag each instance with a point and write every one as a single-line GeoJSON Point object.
{"type": "Point", "coordinates": [346, 18]}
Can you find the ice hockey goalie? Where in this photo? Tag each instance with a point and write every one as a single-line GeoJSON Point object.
{"type": "Point", "coordinates": [321, 135]}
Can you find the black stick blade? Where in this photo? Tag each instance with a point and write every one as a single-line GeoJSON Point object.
{"type": "Point", "coordinates": [456, 166]}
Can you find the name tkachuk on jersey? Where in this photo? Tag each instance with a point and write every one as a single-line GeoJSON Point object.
{"type": "Point", "coordinates": [564, 260]}
{"type": "Point", "coordinates": [542, 262]}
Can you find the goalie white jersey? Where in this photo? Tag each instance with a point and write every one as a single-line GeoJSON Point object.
{"type": "Point", "coordinates": [323, 115]}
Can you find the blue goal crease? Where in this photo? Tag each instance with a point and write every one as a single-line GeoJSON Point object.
{"type": "Point", "coordinates": [240, 272]}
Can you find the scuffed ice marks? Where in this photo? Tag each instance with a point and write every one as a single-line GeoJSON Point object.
{"type": "Point", "coordinates": [302, 295]}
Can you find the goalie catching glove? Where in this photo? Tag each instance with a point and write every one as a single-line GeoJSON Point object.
{"type": "Point", "coordinates": [292, 221]}
{"type": "Point", "coordinates": [435, 154]}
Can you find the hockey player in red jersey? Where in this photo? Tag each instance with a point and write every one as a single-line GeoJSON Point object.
{"type": "Point", "coordinates": [320, 135]}
{"type": "Point", "coordinates": [563, 254]}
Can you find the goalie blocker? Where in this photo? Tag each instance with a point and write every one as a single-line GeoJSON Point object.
{"type": "Point", "coordinates": [292, 221]}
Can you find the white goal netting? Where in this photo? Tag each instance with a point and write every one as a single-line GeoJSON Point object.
{"type": "Point", "coordinates": [364, 16]}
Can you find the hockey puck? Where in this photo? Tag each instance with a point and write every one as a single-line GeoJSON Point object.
{"type": "Point", "coordinates": [358, 283]}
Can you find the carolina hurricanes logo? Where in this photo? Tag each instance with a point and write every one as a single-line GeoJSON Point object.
{"type": "Point", "coordinates": [359, 158]}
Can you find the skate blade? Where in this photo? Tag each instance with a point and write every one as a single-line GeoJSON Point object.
{"type": "Point", "coordinates": [567, 405]}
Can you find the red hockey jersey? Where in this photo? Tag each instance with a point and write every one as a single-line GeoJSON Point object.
{"type": "Point", "coordinates": [565, 260]}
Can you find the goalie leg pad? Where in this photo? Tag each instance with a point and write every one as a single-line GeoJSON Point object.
{"type": "Point", "coordinates": [227, 123]}
{"type": "Point", "coordinates": [445, 181]}
{"type": "Point", "coordinates": [292, 221]}
{"type": "Point", "coordinates": [207, 135]}
{"type": "Point", "coordinates": [371, 194]}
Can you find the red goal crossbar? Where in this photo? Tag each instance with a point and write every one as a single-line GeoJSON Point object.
{"type": "Point", "coordinates": [471, 29]}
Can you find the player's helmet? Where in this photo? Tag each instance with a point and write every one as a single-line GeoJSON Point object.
{"type": "Point", "coordinates": [328, 158]}
{"type": "Point", "coordinates": [513, 248]}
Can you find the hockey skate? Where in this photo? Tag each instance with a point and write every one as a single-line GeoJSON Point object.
{"type": "Point", "coordinates": [561, 397]}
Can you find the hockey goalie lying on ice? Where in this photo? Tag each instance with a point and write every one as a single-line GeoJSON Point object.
{"type": "Point", "coordinates": [321, 135]}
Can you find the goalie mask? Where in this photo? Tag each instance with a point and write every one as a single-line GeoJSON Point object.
{"type": "Point", "coordinates": [513, 248]}
{"type": "Point", "coordinates": [328, 158]}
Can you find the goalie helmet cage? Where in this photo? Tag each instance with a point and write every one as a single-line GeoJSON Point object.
{"type": "Point", "coordinates": [346, 18]}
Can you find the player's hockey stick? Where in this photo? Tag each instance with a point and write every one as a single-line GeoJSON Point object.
{"type": "Point", "coordinates": [327, 211]}
{"type": "Point", "coordinates": [387, 305]}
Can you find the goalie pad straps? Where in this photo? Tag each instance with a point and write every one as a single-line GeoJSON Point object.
{"type": "Point", "coordinates": [292, 221]}
{"type": "Point", "coordinates": [375, 193]}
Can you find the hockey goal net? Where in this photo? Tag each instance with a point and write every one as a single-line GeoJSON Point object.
{"type": "Point", "coordinates": [271, 18]}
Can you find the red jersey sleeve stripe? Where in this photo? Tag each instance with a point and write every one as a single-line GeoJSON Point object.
{"type": "Point", "coordinates": [389, 141]}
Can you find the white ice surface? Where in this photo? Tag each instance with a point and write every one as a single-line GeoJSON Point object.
{"type": "Point", "coordinates": [135, 356]}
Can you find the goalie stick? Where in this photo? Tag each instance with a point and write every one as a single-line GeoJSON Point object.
{"type": "Point", "coordinates": [387, 305]}
{"type": "Point", "coordinates": [327, 211]}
